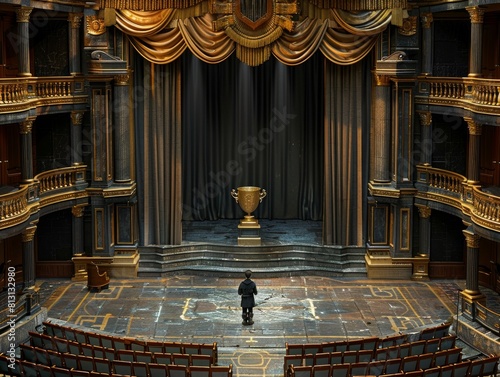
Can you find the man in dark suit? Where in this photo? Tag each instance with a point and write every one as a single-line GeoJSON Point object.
{"type": "Point", "coordinates": [247, 290]}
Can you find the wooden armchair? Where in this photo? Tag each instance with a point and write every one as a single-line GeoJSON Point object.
{"type": "Point", "coordinates": [96, 280]}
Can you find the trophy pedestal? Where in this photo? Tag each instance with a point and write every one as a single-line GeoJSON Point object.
{"type": "Point", "coordinates": [249, 233]}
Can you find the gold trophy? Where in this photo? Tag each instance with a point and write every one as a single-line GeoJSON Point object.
{"type": "Point", "coordinates": [249, 197]}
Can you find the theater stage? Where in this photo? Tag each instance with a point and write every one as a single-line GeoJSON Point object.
{"type": "Point", "coordinates": [273, 232]}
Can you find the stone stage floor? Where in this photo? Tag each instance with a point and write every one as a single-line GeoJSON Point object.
{"type": "Point", "coordinates": [289, 309]}
{"type": "Point", "coordinates": [272, 232]}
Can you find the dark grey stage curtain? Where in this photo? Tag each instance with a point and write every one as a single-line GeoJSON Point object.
{"type": "Point", "coordinates": [347, 120]}
{"type": "Point", "coordinates": [158, 151]}
{"type": "Point", "coordinates": [299, 132]}
{"type": "Point", "coordinates": [252, 126]}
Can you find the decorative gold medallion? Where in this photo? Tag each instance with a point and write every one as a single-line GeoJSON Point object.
{"type": "Point", "coordinates": [95, 25]}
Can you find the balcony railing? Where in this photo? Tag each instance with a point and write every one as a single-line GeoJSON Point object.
{"type": "Point", "coordinates": [475, 94]}
{"type": "Point", "coordinates": [56, 179]}
{"type": "Point", "coordinates": [450, 188]}
{"type": "Point", "coordinates": [18, 94]}
{"type": "Point", "coordinates": [46, 188]}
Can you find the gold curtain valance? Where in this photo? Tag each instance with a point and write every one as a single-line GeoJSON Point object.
{"type": "Point", "coordinates": [344, 38]}
{"type": "Point", "coordinates": [349, 5]}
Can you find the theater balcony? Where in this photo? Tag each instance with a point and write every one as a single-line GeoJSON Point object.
{"type": "Point", "coordinates": [48, 192]}
{"type": "Point", "coordinates": [477, 98]}
{"type": "Point", "coordinates": [23, 97]}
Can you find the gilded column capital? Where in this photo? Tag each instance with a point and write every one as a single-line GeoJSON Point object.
{"type": "Point", "coordinates": [409, 26]}
{"type": "Point", "coordinates": [77, 211]}
{"type": "Point", "coordinates": [122, 79]}
{"type": "Point", "coordinates": [476, 14]}
{"type": "Point", "coordinates": [381, 80]}
{"type": "Point", "coordinates": [23, 14]}
{"type": "Point", "coordinates": [28, 234]}
{"type": "Point", "coordinates": [75, 19]}
{"type": "Point", "coordinates": [424, 211]}
{"type": "Point", "coordinates": [474, 127]}
{"type": "Point", "coordinates": [425, 118]}
{"type": "Point", "coordinates": [26, 126]}
{"type": "Point", "coordinates": [76, 118]}
{"type": "Point", "coordinates": [426, 19]}
{"type": "Point", "coordinates": [471, 239]}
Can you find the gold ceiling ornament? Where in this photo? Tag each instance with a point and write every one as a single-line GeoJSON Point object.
{"type": "Point", "coordinates": [254, 25]}
{"type": "Point", "coordinates": [95, 25]}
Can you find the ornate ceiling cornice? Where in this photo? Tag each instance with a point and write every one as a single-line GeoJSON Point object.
{"type": "Point", "coordinates": [349, 5]}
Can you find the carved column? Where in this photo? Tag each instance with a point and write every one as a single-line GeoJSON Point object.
{"type": "Point", "coordinates": [425, 229]}
{"type": "Point", "coordinates": [427, 20]}
{"type": "Point", "coordinates": [476, 40]}
{"type": "Point", "coordinates": [26, 149]}
{"type": "Point", "coordinates": [28, 236]}
{"type": "Point", "coordinates": [471, 294]}
{"type": "Point", "coordinates": [75, 21]}
{"type": "Point", "coordinates": [76, 137]}
{"type": "Point", "coordinates": [421, 260]}
{"type": "Point", "coordinates": [78, 244]}
{"type": "Point", "coordinates": [121, 117]}
{"type": "Point", "coordinates": [426, 141]}
{"type": "Point", "coordinates": [23, 19]}
{"type": "Point", "coordinates": [473, 167]}
{"type": "Point", "coordinates": [381, 123]}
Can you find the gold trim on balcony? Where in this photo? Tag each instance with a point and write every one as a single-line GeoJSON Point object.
{"type": "Point", "coordinates": [475, 94]}
{"type": "Point", "coordinates": [21, 94]}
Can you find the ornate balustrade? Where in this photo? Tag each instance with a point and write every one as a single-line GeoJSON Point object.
{"type": "Point", "coordinates": [13, 91]}
{"type": "Point", "coordinates": [14, 205]}
{"type": "Point", "coordinates": [25, 93]}
{"type": "Point", "coordinates": [60, 178]}
{"type": "Point", "coordinates": [451, 88]}
{"type": "Point", "coordinates": [46, 188]}
{"type": "Point", "coordinates": [450, 188]}
{"type": "Point", "coordinates": [475, 94]}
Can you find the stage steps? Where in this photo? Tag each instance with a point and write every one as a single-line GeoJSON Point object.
{"type": "Point", "coordinates": [270, 261]}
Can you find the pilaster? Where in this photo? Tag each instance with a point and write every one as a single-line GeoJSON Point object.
{"type": "Point", "coordinates": [471, 294]}
{"type": "Point", "coordinates": [75, 64]}
{"type": "Point", "coordinates": [476, 40]}
{"type": "Point", "coordinates": [381, 125]}
{"type": "Point", "coordinates": [76, 137]}
{"type": "Point", "coordinates": [26, 149]}
{"type": "Point", "coordinates": [27, 239]}
{"type": "Point", "coordinates": [23, 18]}
{"type": "Point", "coordinates": [122, 133]}
{"type": "Point", "coordinates": [426, 19]}
{"type": "Point", "coordinates": [426, 144]}
{"type": "Point", "coordinates": [473, 168]}
{"type": "Point", "coordinates": [78, 231]}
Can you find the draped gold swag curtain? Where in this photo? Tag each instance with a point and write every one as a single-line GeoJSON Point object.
{"type": "Point", "coordinates": [161, 36]}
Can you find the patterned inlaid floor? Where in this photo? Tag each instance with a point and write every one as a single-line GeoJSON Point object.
{"type": "Point", "coordinates": [293, 310]}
